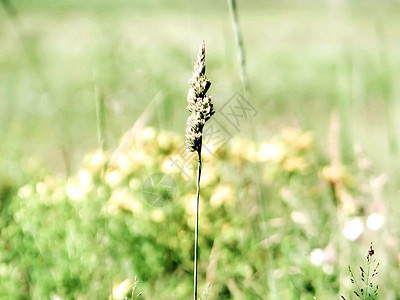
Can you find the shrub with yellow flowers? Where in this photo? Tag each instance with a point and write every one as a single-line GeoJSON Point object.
{"type": "Point", "coordinates": [74, 238]}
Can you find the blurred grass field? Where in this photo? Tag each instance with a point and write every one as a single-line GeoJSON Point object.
{"type": "Point", "coordinates": [305, 61]}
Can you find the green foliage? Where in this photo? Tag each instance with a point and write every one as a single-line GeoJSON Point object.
{"type": "Point", "coordinates": [73, 237]}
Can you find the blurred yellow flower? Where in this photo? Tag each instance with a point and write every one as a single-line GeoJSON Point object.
{"type": "Point", "coordinates": [97, 159]}
{"type": "Point", "coordinates": [123, 199]}
{"type": "Point", "coordinates": [332, 174]}
{"type": "Point", "coordinates": [134, 184]}
{"type": "Point", "coordinates": [226, 227]}
{"type": "Point", "coordinates": [158, 215]}
{"type": "Point", "coordinates": [208, 174]}
{"type": "Point", "coordinates": [190, 204]}
{"type": "Point", "coordinates": [243, 150]}
{"type": "Point", "coordinates": [74, 191]}
{"type": "Point", "coordinates": [221, 153]}
{"type": "Point", "coordinates": [166, 142]}
{"type": "Point", "coordinates": [290, 135]}
{"type": "Point", "coordinates": [85, 179]}
{"type": "Point", "coordinates": [250, 153]}
{"type": "Point", "coordinates": [270, 152]}
{"type": "Point", "coordinates": [58, 194]}
{"type": "Point", "coordinates": [177, 164]}
{"type": "Point", "coordinates": [113, 177]}
{"type": "Point", "coordinates": [41, 188]}
{"type": "Point", "coordinates": [147, 134]}
{"type": "Point", "coordinates": [304, 141]}
{"type": "Point", "coordinates": [169, 166]}
{"type": "Point", "coordinates": [299, 217]}
{"type": "Point", "coordinates": [208, 151]}
{"type": "Point", "coordinates": [124, 163]}
{"type": "Point", "coordinates": [132, 205]}
{"type": "Point", "coordinates": [146, 138]}
{"type": "Point", "coordinates": [296, 163]}
{"type": "Point", "coordinates": [138, 157]}
{"type": "Point", "coordinates": [120, 289]}
{"type": "Point", "coordinates": [51, 181]}
{"type": "Point", "coordinates": [222, 195]}
{"type": "Point", "coordinates": [26, 191]}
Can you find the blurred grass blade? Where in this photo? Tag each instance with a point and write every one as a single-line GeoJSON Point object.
{"type": "Point", "coordinates": [239, 44]}
{"type": "Point", "coordinates": [387, 89]}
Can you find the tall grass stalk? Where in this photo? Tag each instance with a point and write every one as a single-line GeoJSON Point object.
{"type": "Point", "coordinates": [100, 117]}
{"type": "Point", "coordinates": [246, 87]}
{"type": "Point", "coordinates": [387, 90]}
{"type": "Point", "coordinates": [239, 44]}
{"type": "Point", "coordinates": [257, 168]}
{"type": "Point", "coordinates": [201, 109]}
{"type": "Point", "coordinates": [344, 84]}
{"type": "Point", "coordinates": [245, 82]}
{"type": "Point", "coordinates": [101, 125]}
{"type": "Point", "coordinates": [340, 196]}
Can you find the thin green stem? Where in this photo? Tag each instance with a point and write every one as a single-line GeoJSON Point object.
{"type": "Point", "coordinates": [239, 43]}
{"type": "Point", "coordinates": [12, 13]}
{"type": "Point", "coordinates": [100, 118]}
{"type": "Point", "coordinates": [367, 280]}
{"type": "Point", "coordinates": [387, 89]}
{"type": "Point", "coordinates": [100, 126]}
{"type": "Point", "coordinates": [246, 86]}
{"type": "Point", "coordinates": [196, 237]}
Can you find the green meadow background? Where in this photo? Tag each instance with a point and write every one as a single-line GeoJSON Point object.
{"type": "Point", "coordinates": [298, 193]}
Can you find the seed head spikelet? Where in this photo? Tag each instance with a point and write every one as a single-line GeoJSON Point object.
{"type": "Point", "coordinates": [199, 105]}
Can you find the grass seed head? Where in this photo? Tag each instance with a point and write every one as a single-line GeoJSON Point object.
{"type": "Point", "coordinates": [199, 105]}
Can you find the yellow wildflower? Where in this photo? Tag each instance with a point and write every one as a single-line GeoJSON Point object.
{"type": "Point", "coordinates": [74, 191]}
{"type": "Point", "coordinates": [123, 199]}
{"type": "Point", "coordinates": [332, 174]}
{"type": "Point", "coordinates": [124, 163]}
{"type": "Point", "coordinates": [270, 152]}
{"type": "Point", "coordinates": [97, 159]}
{"type": "Point", "coordinates": [221, 195]}
{"type": "Point", "coordinates": [42, 189]}
{"type": "Point", "coordinates": [190, 204]}
{"type": "Point", "coordinates": [292, 164]}
{"type": "Point", "coordinates": [158, 215]}
{"type": "Point", "coordinates": [304, 141]}
{"type": "Point", "coordinates": [85, 179]}
{"type": "Point", "coordinates": [113, 177]}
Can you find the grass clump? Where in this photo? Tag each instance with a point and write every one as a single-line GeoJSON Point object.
{"type": "Point", "coordinates": [367, 290]}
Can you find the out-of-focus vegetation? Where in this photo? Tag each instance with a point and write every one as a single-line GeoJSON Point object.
{"type": "Point", "coordinates": [73, 237]}
{"type": "Point", "coordinates": [282, 215]}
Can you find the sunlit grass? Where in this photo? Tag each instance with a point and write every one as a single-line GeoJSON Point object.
{"type": "Point", "coordinates": [67, 231]}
